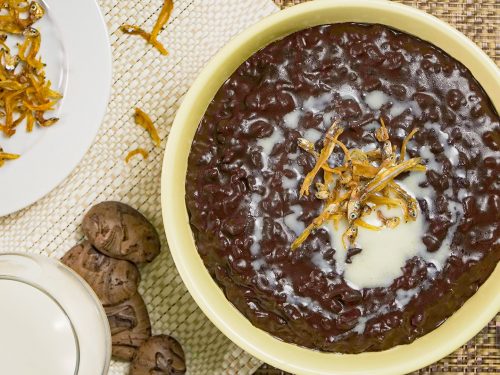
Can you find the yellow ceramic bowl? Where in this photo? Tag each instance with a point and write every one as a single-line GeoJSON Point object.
{"type": "Point", "coordinates": [459, 328]}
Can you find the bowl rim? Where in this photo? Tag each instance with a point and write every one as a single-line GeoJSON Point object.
{"type": "Point", "coordinates": [483, 305]}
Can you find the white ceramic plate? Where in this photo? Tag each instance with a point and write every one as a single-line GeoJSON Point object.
{"type": "Point", "coordinates": [76, 49]}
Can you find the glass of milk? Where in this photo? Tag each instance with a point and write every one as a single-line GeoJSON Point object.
{"type": "Point", "coordinates": [51, 322]}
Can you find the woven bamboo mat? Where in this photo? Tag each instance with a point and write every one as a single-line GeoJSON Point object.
{"type": "Point", "coordinates": [480, 21]}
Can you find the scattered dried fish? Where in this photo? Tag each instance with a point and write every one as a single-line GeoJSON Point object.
{"type": "Point", "coordinates": [137, 151]}
{"type": "Point", "coordinates": [152, 38]}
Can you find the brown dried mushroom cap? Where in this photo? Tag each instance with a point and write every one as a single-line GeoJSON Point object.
{"type": "Point", "coordinates": [159, 355]}
{"type": "Point", "coordinates": [130, 326]}
{"type": "Point", "coordinates": [122, 232]}
{"type": "Point", "coordinates": [113, 280]}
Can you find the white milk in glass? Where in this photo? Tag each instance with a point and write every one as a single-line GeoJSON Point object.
{"type": "Point", "coordinates": [51, 322]}
{"type": "Point", "coordinates": [36, 336]}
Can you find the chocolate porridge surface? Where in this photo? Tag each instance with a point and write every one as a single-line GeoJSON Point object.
{"type": "Point", "coordinates": [245, 170]}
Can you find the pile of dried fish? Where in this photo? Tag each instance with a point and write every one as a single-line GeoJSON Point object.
{"type": "Point", "coordinates": [25, 93]}
{"type": "Point", "coordinates": [362, 184]}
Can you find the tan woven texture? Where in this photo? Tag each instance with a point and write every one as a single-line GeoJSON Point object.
{"type": "Point", "coordinates": [141, 77]}
{"type": "Point", "coordinates": [480, 21]}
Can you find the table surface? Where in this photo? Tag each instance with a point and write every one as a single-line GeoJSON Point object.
{"type": "Point", "coordinates": [479, 20]}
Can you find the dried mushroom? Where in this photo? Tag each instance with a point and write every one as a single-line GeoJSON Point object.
{"type": "Point", "coordinates": [122, 232]}
{"type": "Point", "coordinates": [113, 280]}
{"type": "Point", "coordinates": [130, 326]}
{"type": "Point", "coordinates": [159, 355]}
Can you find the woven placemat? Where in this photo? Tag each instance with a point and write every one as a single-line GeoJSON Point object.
{"type": "Point", "coordinates": [479, 20]}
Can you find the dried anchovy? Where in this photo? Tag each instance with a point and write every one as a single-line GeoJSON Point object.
{"type": "Point", "coordinates": [152, 38]}
{"type": "Point", "coordinates": [25, 93]}
{"type": "Point", "coordinates": [364, 182]}
{"type": "Point", "coordinates": [6, 156]}
{"type": "Point", "coordinates": [144, 121]}
{"type": "Point", "coordinates": [137, 151]}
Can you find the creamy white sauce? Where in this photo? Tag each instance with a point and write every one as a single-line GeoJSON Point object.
{"type": "Point", "coordinates": [255, 200]}
{"type": "Point", "coordinates": [397, 108]}
{"type": "Point", "coordinates": [361, 325]}
{"type": "Point", "coordinates": [385, 252]}
{"type": "Point", "coordinates": [430, 159]}
{"type": "Point", "coordinates": [292, 220]}
{"type": "Point", "coordinates": [313, 135]}
{"type": "Point", "coordinates": [376, 99]}
{"type": "Point", "coordinates": [452, 154]}
{"type": "Point", "coordinates": [291, 119]}
{"type": "Point", "coordinates": [348, 92]}
{"type": "Point", "coordinates": [442, 136]}
{"type": "Point", "coordinates": [460, 172]}
{"type": "Point", "coordinates": [403, 297]}
{"type": "Point", "coordinates": [415, 108]}
{"type": "Point", "coordinates": [320, 262]}
{"type": "Point", "coordinates": [305, 302]}
{"type": "Point", "coordinates": [369, 147]}
{"type": "Point", "coordinates": [290, 183]}
{"type": "Point", "coordinates": [268, 143]}
{"type": "Point", "coordinates": [317, 104]}
{"type": "Point", "coordinates": [462, 193]}
{"type": "Point", "coordinates": [335, 234]}
{"type": "Point", "coordinates": [412, 185]}
{"type": "Point", "coordinates": [472, 257]}
{"type": "Point", "coordinates": [449, 150]}
{"type": "Point", "coordinates": [258, 264]}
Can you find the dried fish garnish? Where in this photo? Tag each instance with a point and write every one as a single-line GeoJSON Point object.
{"type": "Point", "coordinates": [144, 121]}
{"type": "Point", "coordinates": [136, 30]}
{"type": "Point", "coordinates": [165, 13]}
{"type": "Point", "coordinates": [364, 182]}
{"type": "Point", "coordinates": [137, 151]}
{"type": "Point", "coordinates": [12, 22]}
{"type": "Point", "coordinates": [25, 93]}
{"type": "Point", "coordinates": [152, 38]}
{"type": "Point", "coordinates": [328, 146]}
{"type": "Point", "coordinates": [6, 156]}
